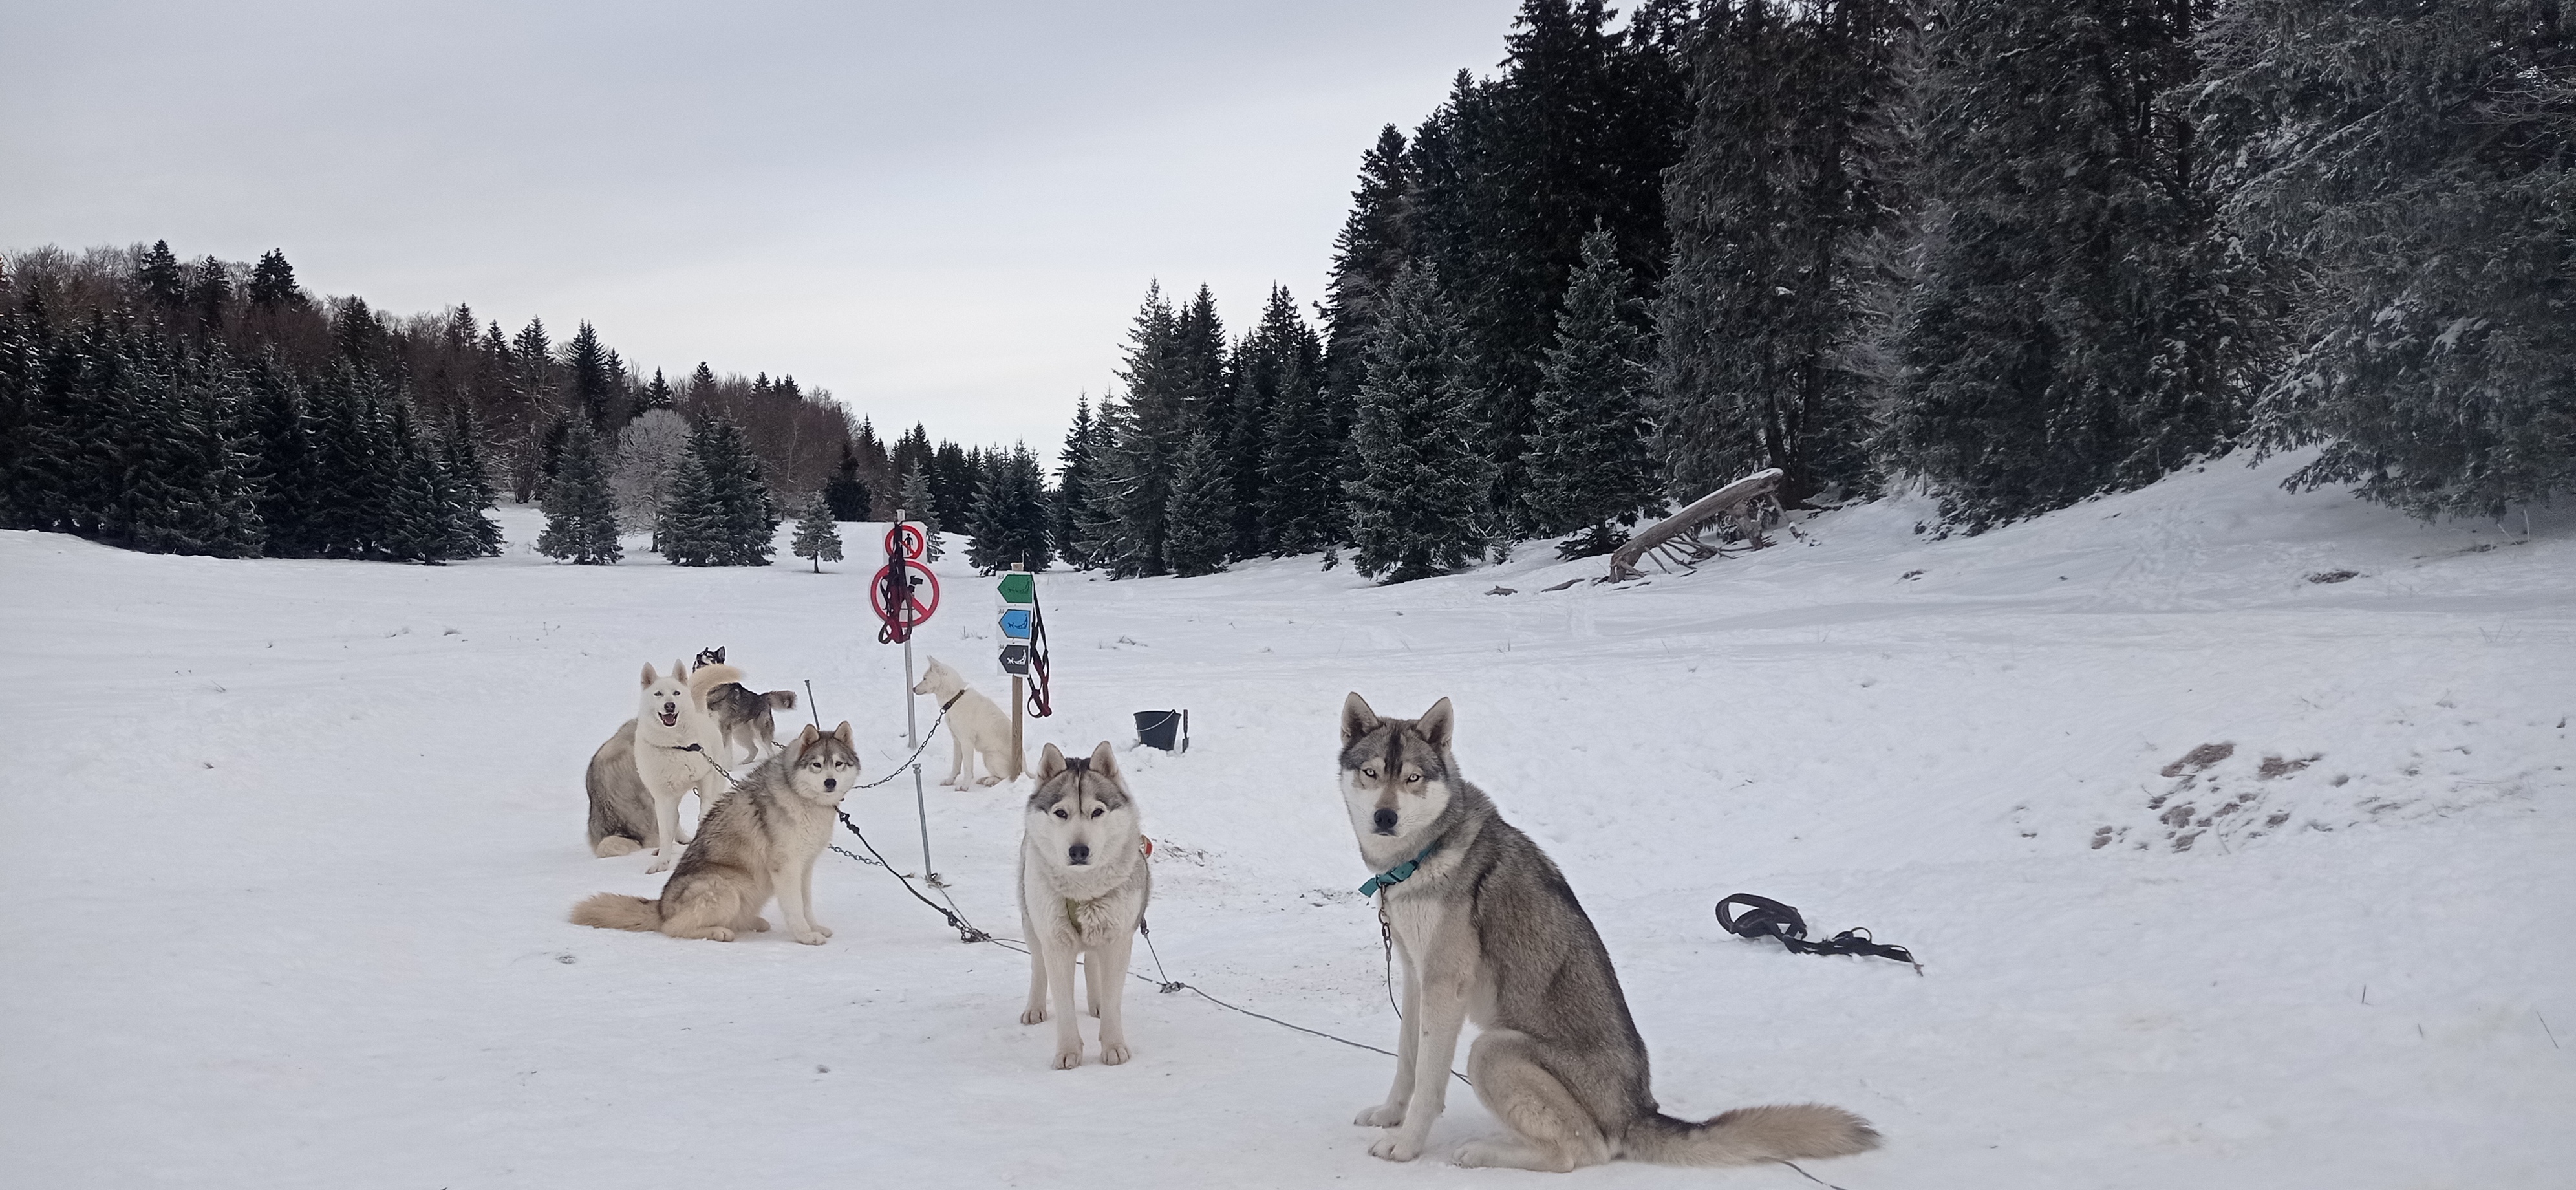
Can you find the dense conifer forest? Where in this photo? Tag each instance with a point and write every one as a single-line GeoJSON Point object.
{"type": "Point", "coordinates": [2016, 252]}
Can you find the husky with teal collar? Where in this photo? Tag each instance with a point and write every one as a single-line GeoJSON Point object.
{"type": "Point", "coordinates": [1489, 931]}
{"type": "Point", "coordinates": [1083, 888]}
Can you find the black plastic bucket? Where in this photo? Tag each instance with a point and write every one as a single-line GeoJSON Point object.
{"type": "Point", "coordinates": [1167, 730]}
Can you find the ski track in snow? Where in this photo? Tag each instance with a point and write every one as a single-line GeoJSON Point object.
{"type": "Point", "coordinates": [291, 845]}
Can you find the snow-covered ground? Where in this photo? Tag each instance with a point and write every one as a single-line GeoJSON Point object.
{"type": "Point", "coordinates": [288, 848]}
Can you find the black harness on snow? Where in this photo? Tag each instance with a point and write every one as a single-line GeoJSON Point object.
{"type": "Point", "coordinates": [1763, 917]}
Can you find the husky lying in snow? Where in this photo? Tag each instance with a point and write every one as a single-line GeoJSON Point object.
{"type": "Point", "coordinates": [637, 778]}
{"type": "Point", "coordinates": [761, 839]}
{"type": "Point", "coordinates": [1083, 887]}
{"type": "Point", "coordinates": [1489, 930]}
{"type": "Point", "coordinates": [744, 719]}
{"type": "Point", "coordinates": [975, 727]}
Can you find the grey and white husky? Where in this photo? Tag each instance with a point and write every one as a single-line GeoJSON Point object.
{"type": "Point", "coordinates": [1489, 931]}
{"type": "Point", "coordinates": [745, 719]}
{"type": "Point", "coordinates": [761, 840]}
{"type": "Point", "coordinates": [1084, 883]}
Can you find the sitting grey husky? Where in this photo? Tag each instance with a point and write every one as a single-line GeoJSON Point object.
{"type": "Point", "coordinates": [1489, 930]}
{"type": "Point", "coordinates": [762, 838]}
{"type": "Point", "coordinates": [1083, 887]}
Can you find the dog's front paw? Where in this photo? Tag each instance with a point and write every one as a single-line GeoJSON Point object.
{"type": "Point", "coordinates": [1034, 1016]}
{"type": "Point", "coordinates": [822, 929]}
{"type": "Point", "coordinates": [1384, 1115]}
{"type": "Point", "coordinates": [660, 865]}
{"type": "Point", "coordinates": [1114, 1054]}
{"type": "Point", "coordinates": [720, 934]}
{"type": "Point", "coordinates": [1396, 1147]}
{"type": "Point", "coordinates": [760, 924]}
{"type": "Point", "coordinates": [811, 937]}
{"type": "Point", "coordinates": [1068, 1059]}
{"type": "Point", "coordinates": [988, 781]}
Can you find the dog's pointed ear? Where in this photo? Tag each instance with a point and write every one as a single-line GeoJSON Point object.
{"type": "Point", "coordinates": [842, 733]}
{"type": "Point", "coordinates": [805, 739]}
{"type": "Point", "coordinates": [649, 676]}
{"type": "Point", "coordinates": [1357, 719]}
{"type": "Point", "coordinates": [679, 671]}
{"type": "Point", "coordinates": [1050, 762]}
{"type": "Point", "coordinates": [1438, 723]}
{"type": "Point", "coordinates": [1104, 759]}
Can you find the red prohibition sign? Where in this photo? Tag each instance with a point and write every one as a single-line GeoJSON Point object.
{"type": "Point", "coordinates": [920, 581]}
{"type": "Point", "coordinates": [911, 541]}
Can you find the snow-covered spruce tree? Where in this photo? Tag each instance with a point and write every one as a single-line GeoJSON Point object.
{"type": "Point", "coordinates": [2416, 165]}
{"type": "Point", "coordinates": [690, 532]}
{"type": "Point", "coordinates": [20, 355]}
{"type": "Point", "coordinates": [2072, 330]}
{"type": "Point", "coordinates": [918, 506]}
{"type": "Point", "coordinates": [1201, 514]}
{"type": "Point", "coordinates": [1011, 513]}
{"type": "Point", "coordinates": [418, 502]}
{"type": "Point", "coordinates": [1302, 466]}
{"type": "Point", "coordinates": [1588, 465]}
{"type": "Point", "coordinates": [745, 516]}
{"type": "Point", "coordinates": [1281, 346]}
{"type": "Point", "coordinates": [1136, 460]}
{"type": "Point", "coordinates": [353, 471]}
{"type": "Point", "coordinates": [1100, 525]}
{"type": "Point", "coordinates": [1073, 485]}
{"type": "Point", "coordinates": [288, 459]}
{"type": "Point", "coordinates": [1789, 170]}
{"type": "Point", "coordinates": [1422, 477]}
{"type": "Point", "coordinates": [471, 532]}
{"type": "Point", "coordinates": [581, 515]}
{"type": "Point", "coordinates": [817, 537]}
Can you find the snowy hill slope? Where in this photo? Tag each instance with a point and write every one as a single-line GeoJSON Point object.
{"type": "Point", "coordinates": [291, 843]}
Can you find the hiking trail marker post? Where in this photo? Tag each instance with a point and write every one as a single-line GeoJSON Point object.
{"type": "Point", "coordinates": [896, 595]}
{"type": "Point", "coordinates": [1019, 594]}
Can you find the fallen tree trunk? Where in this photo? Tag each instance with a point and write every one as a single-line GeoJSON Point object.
{"type": "Point", "coordinates": [1680, 531]}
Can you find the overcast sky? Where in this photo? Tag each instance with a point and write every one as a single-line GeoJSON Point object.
{"type": "Point", "coordinates": [940, 212]}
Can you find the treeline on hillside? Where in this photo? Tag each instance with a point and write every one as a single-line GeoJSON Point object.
{"type": "Point", "coordinates": [217, 407]}
{"type": "Point", "coordinates": [2021, 251]}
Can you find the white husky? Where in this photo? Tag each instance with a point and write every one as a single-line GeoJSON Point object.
{"type": "Point", "coordinates": [675, 742]}
{"type": "Point", "coordinates": [975, 727]}
{"type": "Point", "coordinates": [1084, 883]}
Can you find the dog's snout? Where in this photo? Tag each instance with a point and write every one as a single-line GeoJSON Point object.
{"type": "Point", "coordinates": [831, 783]}
{"type": "Point", "coordinates": [1079, 853]}
{"type": "Point", "coordinates": [1385, 822]}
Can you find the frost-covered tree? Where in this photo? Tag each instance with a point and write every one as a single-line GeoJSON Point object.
{"type": "Point", "coordinates": [1587, 462]}
{"type": "Point", "coordinates": [719, 513]}
{"type": "Point", "coordinates": [2414, 165]}
{"type": "Point", "coordinates": [1418, 503]}
{"type": "Point", "coordinates": [471, 532]}
{"type": "Point", "coordinates": [649, 453]}
{"type": "Point", "coordinates": [1073, 484]}
{"type": "Point", "coordinates": [817, 537]}
{"type": "Point", "coordinates": [581, 515]}
{"type": "Point", "coordinates": [1302, 465]}
{"type": "Point", "coordinates": [1201, 514]}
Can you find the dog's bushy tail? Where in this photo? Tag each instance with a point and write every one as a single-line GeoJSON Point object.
{"type": "Point", "coordinates": [781, 700]}
{"type": "Point", "coordinates": [704, 679]}
{"type": "Point", "coordinates": [1774, 1132]}
{"type": "Point", "coordinates": [617, 911]}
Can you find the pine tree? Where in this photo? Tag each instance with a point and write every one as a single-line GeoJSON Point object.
{"type": "Point", "coordinates": [272, 283]}
{"type": "Point", "coordinates": [2411, 169]}
{"type": "Point", "coordinates": [1011, 514]}
{"type": "Point", "coordinates": [847, 495]}
{"type": "Point", "coordinates": [1790, 170]}
{"type": "Point", "coordinates": [588, 372]}
{"type": "Point", "coordinates": [1375, 242]}
{"type": "Point", "coordinates": [1073, 484]}
{"type": "Point", "coordinates": [1302, 467]}
{"type": "Point", "coordinates": [352, 473]}
{"type": "Point", "coordinates": [418, 517]}
{"type": "Point", "coordinates": [1202, 509]}
{"type": "Point", "coordinates": [287, 457]}
{"type": "Point", "coordinates": [917, 506]}
{"type": "Point", "coordinates": [657, 395]}
{"type": "Point", "coordinates": [470, 531]}
{"type": "Point", "coordinates": [158, 278]}
{"type": "Point", "coordinates": [581, 516]}
{"type": "Point", "coordinates": [1147, 430]}
{"type": "Point", "coordinates": [1588, 465]}
{"type": "Point", "coordinates": [1102, 530]}
{"type": "Point", "coordinates": [1280, 345]}
{"type": "Point", "coordinates": [816, 536]}
{"type": "Point", "coordinates": [210, 293]}
{"type": "Point", "coordinates": [690, 530]}
{"type": "Point", "coordinates": [1423, 480]}
{"type": "Point", "coordinates": [2070, 335]}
